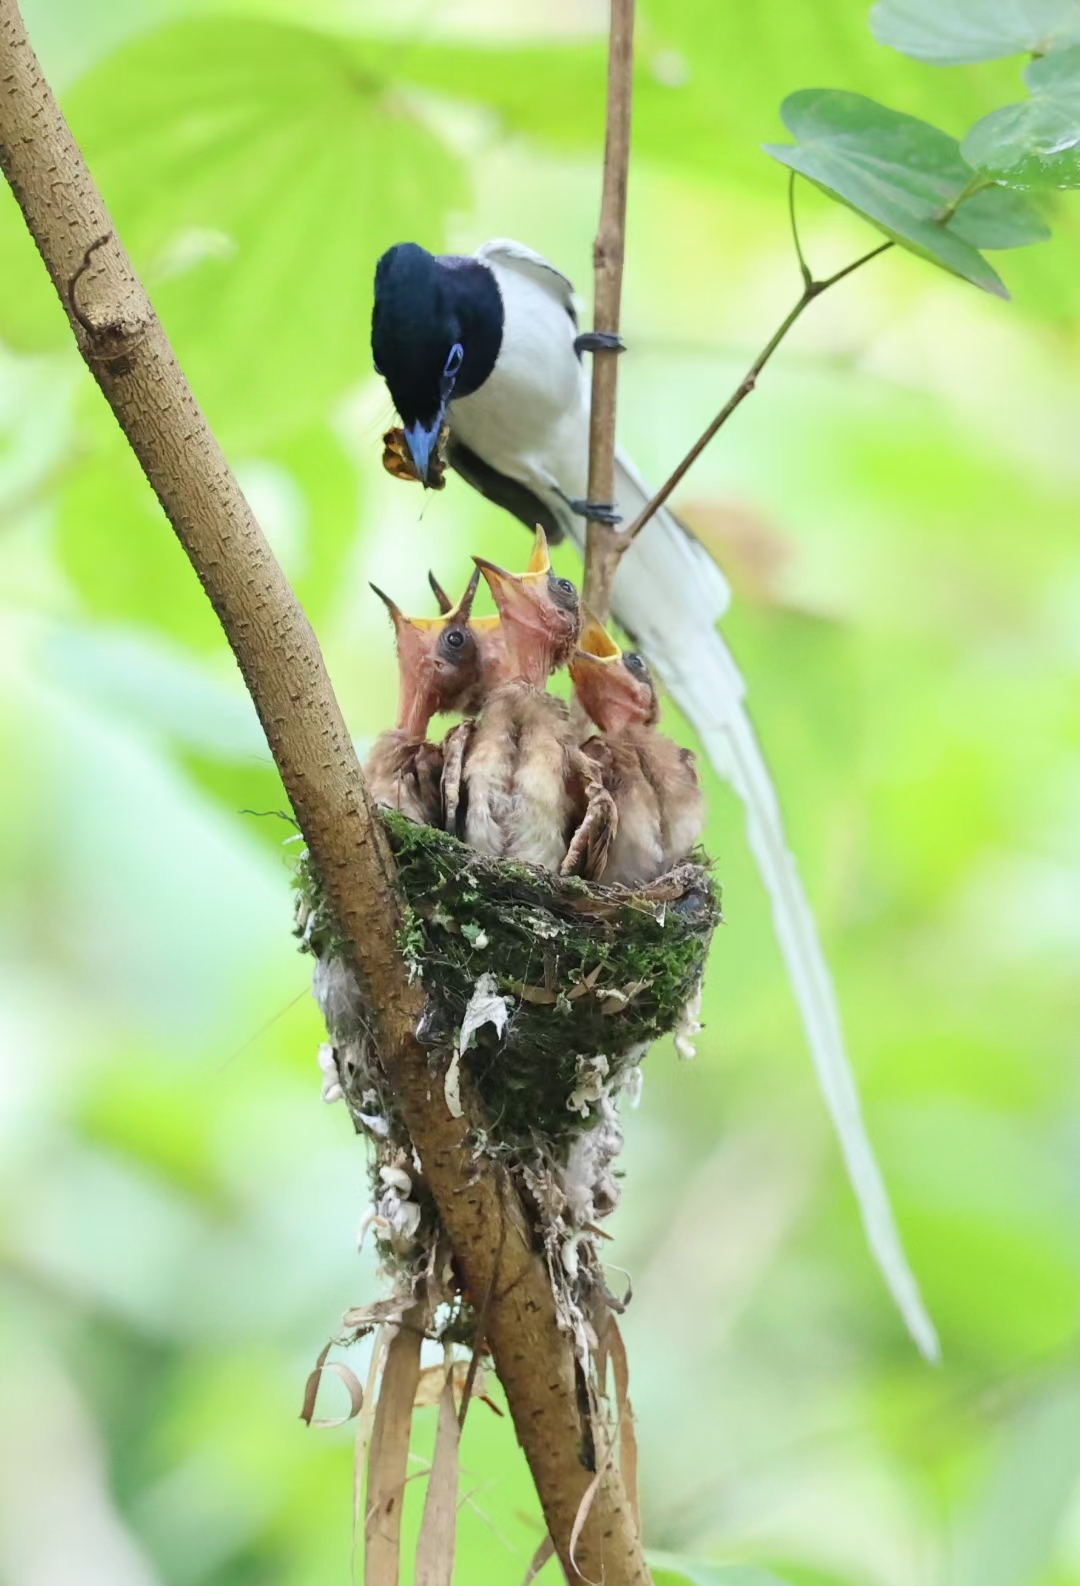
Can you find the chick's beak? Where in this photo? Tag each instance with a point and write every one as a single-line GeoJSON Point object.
{"type": "Point", "coordinates": [520, 595]}
{"type": "Point", "coordinates": [591, 675]}
{"type": "Point", "coordinates": [409, 628]}
{"type": "Point", "coordinates": [592, 666]}
{"type": "Point", "coordinates": [595, 643]}
{"type": "Point", "coordinates": [540, 559]}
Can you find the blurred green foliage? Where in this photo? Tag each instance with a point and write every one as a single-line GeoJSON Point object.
{"type": "Point", "coordinates": [897, 507]}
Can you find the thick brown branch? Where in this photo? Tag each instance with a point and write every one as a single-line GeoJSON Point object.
{"type": "Point", "coordinates": [602, 541]}
{"type": "Point", "coordinates": [127, 351]}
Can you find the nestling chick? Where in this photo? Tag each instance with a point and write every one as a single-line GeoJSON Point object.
{"type": "Point", "coordinates": [653, 782]}
{"type": "Point", "coordinates": [519, 792]}
{"type": "Point", "coordinates": [540, 616]}
{"type": "Point", "coordinates": [440, 669]}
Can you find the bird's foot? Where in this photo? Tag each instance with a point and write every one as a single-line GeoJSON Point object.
{"type": "Point", "coordinates": [596, 511]}
{"type": "Point", "coordinates": [598, 341]}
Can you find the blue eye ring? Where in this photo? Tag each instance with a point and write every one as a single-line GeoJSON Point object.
{"type": "Point", "coordinates": [455, 359]}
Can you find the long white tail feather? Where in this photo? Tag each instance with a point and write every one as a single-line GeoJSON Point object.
{"type": "Point", "coordinates": [678, 554]}
{"type": "Point", "coordinates": [669, 595]}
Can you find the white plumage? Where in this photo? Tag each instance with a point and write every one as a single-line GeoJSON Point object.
{"type": "Point", "coordinates": [529, 421]}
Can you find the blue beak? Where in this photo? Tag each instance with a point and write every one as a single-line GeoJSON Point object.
{"type": "Point", "coordinates": [421, 443]}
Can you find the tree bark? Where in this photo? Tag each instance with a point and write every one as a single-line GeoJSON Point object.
{"type": "Point", "coordinates": [129, 356]}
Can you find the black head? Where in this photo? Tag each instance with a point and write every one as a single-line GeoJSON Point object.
{"type": "Point", "coordinates": [435, 333]}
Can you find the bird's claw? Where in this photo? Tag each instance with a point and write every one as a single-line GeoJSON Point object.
{"type": "Point", "coordinates": [598, 341]}
{"type": "Point", "coordinates": [596, 511]}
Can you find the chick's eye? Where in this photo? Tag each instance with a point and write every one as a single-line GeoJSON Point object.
{"type": "Point", "coordinates": [455, 638]}
{"type": "Point", "coordinates": [454, 361]}
{"type": "Point", "coordinates": [634, 662]}
{"type": "Point", "coordinates": [565, 585]}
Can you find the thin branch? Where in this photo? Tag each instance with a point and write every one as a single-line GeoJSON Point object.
{"type": "Point", "coordinates": [602, 540]}
{"type": "Point", "coordinates": [811, 290]}
{"type": "Point", "coordinates": [129, 355]}
{"type": "Point", "coordinates": [804, 268]}
{"type": "Point", "coordinates": [849, 269]}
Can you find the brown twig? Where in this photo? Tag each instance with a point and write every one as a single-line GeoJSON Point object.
{"type": "Point", "coordinates": [129, 355]}
{"type": "Point", "coordinates": [602, 547]}
{"type": "Point", "coordinates": [811, 289]}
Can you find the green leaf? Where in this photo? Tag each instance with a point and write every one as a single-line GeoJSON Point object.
{"type": "Point", "coordinates": [31, 318]}
{"type": "Point", "coordinates": [255, 173]}
{"type": "Point", "coordinates": [668, 1570]}
{"type": "Point", "coordinates": [996, 218]}
{"type": "Point", "coordinates": [118, 550]}
{"type": "Point", "coordinates": [309, 513]}
{"type": "Point", "coordinates": [1035, 143]}
{"type": "Point", "coordinates": [127, 564]}
{"type": "Point", "coordinates": [958, 32]}
{"type": "Point", "coordinates": [904, 176]}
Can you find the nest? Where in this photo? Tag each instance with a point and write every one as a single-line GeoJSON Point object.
{"type": "Point", "coordinates": [548, 991]}
{"type": "Point", "coordinates": [586, 971]}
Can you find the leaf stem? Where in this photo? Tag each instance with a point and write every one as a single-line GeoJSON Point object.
{"type": "Point", "coordinates": [804, 268]}
{"type": "Point", "coordinates": [811, 289]}
{"type": "Point", "coordinates": [977, 183]}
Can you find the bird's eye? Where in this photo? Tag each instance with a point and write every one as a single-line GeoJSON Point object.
{"type": "Point", "coordinates": [634, 661]}
{"type": "Point", "coordinates": [454, 361]}
{"type": "Point", "coordinates": [562, 592]}
{"type": "Point", "coordinates": [455, 638]}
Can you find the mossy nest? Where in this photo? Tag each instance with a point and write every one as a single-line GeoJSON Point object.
{"type": "Point", "coordinates": [591, 975]}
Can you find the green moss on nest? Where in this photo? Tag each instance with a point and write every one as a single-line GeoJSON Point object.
{"type": "Point", "coordinates": [590, 970]}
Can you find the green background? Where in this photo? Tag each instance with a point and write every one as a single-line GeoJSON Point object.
{"type": "Point", "coordinates": [897, 508]}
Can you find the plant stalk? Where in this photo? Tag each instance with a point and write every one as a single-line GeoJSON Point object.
{"type": "Point", "coordinates": [602, 541]}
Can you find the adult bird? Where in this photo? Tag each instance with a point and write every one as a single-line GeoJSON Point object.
{"type": "Point", "coordinates": [489, 346]}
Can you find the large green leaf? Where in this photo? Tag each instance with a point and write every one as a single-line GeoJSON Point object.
{"type": "Point", "coordinates": [128, 567]}
{"type": "Point", "coordinates": [957, 32]}
{"type": "Point", "coordinates": [904, 176]}
{"type": "Point", "coordinates": [1035, 143]}
{"type": "Point", "coordinates": [118, 550]}
{"type": "Point", "coordinates": [31, 318]}
{"type": "Point", "coordinates": [706, 76]}
{"type": "Point", "coordinates": [255, 173]}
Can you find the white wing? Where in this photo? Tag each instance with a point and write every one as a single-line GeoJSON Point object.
{"type": "Point", "coordinates": [669, 594]}
{"type": "Point", "coordinates": [527, 262]}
